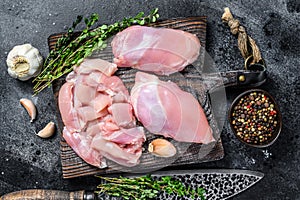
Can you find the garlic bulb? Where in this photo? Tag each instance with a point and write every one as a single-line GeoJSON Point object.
{"type": "Point", "coordinates": [24, 62]}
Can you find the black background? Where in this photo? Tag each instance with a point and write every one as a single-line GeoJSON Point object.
{"type": "Point", "coordinates": [27, 161]}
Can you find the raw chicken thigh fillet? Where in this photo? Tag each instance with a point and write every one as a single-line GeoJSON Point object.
{"type": "Point", "coordinates": [159, 50]}
{"type": "Point", "coordinates": [98, 117]}
{"type": "Point", "coordinates": [164, 109]}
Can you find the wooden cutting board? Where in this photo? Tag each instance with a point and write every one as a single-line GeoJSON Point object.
{"type": "Point", "coordinates": [74, 166]}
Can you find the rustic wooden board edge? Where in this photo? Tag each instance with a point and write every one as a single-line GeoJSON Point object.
{"type": "Point", "coordinates": [80, 167]}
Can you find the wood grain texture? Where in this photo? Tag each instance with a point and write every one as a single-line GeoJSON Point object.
{"type": "Point", "coordinates": [74, 166]}
{"type": "Point", "coordinates": [38, 194]}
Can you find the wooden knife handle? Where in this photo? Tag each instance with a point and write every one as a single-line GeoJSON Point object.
{"type": "Point", "coordinates": [39, 194]}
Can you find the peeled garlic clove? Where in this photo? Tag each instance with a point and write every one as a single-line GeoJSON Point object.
{"type": "Point", "coordinates": [30, 108]}
{"type": "Point", "coordinates": [162, 148]}
{"type": "Point", "coordinates": [47, 131]}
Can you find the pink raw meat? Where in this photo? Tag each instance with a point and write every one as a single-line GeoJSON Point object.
{"type": "Point", "coordinates": [159, 50]}
{"type": "Point", "coordinates": [123, 146]}
{"type": "Point", "coordinates": [164, 109]}
{"type": "Point", "coordinates": [123, 114]}
{"type": "Point", "coordinates": [96, 64]}
{"type": "Point", "coordinates": [66, 106]}
{"type": "Point", "coordinates": [98, 118]}
{"type": "Point", "coordinates": [81, 144]}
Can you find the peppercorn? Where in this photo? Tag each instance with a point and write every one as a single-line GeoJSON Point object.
{"type": "Point", "coordinates": [254, 118]}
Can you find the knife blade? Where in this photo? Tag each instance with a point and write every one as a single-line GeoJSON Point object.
{"type": "Point", "coordinates": [218, 184]}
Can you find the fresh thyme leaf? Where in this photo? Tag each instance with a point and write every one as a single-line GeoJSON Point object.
{"type": "Point", "coordinates": [146, 187]}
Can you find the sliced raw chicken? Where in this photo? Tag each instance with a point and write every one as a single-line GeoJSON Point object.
{"type": "Point", "coordinates": [122, 146]}
{"type": "Point", "coordinates": [81, 144]}
{"type": "Point", "coordinates": [123, 114]}
{"type": "Point", "coordinates": [96, 64]}
{"type": "Point", "coordinates": [98, 118]}
{"type": "Point", "coordinates": [159, 50]}
{"type": "Point", "coordinates": [68, 113]}
{"type": "Point", "coordinates": [164, 109]}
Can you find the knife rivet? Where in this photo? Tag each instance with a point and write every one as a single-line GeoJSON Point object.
{"type": "Point", "coordinates": [241, 78]}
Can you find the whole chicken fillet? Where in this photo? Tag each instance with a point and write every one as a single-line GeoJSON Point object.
{"type": "Point", "coordinates": [164, 109]}
{"type": "Point", "coordinates": [160, 50]}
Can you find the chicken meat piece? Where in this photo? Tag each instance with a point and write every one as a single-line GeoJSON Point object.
{"type": "Point", "coordinates": [164, 109]}
{"type": "Point", "coordinates": [98, 117]}
{"type": "Point", "coordinates": [160, 50]}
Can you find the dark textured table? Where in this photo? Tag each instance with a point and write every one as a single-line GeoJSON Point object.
{"type": "Point", "coordinates": [27, 161]}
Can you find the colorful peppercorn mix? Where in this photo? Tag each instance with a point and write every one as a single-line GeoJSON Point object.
{"type": "Point", "coordinates": [254, 118]}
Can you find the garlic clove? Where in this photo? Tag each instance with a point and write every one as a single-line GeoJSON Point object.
{"type": "Point", "coordinates": [162, 148]}
{"type": "Point", "coordinates": [47, 131]}
{"type": "Point", "coordinates": [30, 108]}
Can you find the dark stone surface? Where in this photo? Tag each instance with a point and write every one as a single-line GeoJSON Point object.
{"type": "Point", "coordinates": [27, 161]}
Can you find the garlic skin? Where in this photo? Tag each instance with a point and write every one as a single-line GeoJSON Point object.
{"type": "Point", "coordinates": [47, 131]}
{"type": "Point", "coordinates": [162, 148]}
{"type": "Point", "coordinates": [24, 62]}
{"type": "Point", "coordinates": [30, 108]}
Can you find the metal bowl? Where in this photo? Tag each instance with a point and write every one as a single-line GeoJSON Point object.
{"type": "Point", "coordinates": [274, 133]}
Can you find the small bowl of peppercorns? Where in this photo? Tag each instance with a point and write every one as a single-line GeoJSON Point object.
{"type": "Point", "coordinates": [255, 118]}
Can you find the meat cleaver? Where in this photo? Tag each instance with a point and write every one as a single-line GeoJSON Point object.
{"type": "Point", "coordinates": [218, 183]}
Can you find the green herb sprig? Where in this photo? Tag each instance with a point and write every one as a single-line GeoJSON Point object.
{"type": "Point", "coordinates": [146, 187]}
{"type": "Point", "coordinates": [73, 47]}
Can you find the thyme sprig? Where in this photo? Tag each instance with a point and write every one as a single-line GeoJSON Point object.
{"type": "Point", "coordinates": [146, 187]}
{"type": "Point", "coordinates": [71, 49]}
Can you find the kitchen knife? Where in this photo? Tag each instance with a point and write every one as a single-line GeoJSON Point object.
{"type": "Point", "coordinates": [218, 184]}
